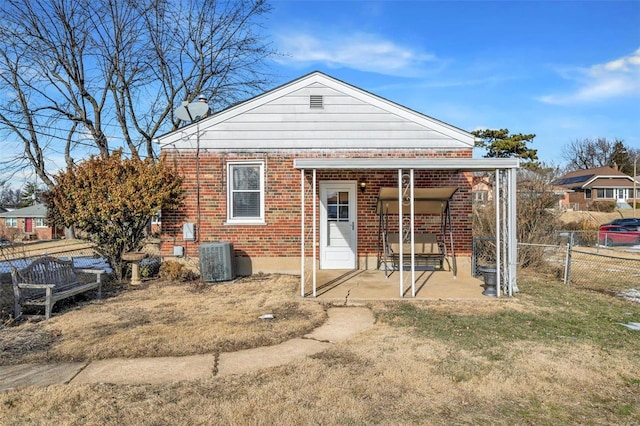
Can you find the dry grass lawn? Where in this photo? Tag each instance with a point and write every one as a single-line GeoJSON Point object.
{"type": "Point", "coordinates": [553, 355]}
{"type": "Point", "coordinates": [594, 218]}
{"type": "Point", "coordinates": [166, 319]}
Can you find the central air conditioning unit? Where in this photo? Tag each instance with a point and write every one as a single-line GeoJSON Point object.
{"type": "Point", "coordinates": [216, 262]}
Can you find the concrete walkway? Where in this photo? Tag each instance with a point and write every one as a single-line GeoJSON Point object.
{"type": "Point", "coordinates": [342, 323]}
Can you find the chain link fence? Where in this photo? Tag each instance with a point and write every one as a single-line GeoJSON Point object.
{"type": "Point", "coordinates": [603, 262]}
{"type": "Point", "coordinates": [604, 272]}
{"type": "Point", "coordinates": [21, 255]}
{"type": "Point", "coordinates": [583, 259]}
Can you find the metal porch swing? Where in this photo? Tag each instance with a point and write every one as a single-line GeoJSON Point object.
{"type": "Point", "coordinates": [430, 250]}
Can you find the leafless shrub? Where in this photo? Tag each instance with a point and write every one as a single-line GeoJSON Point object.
{"type": "Point", "coordinates": [605, 206]}
{"type": "Point", "coordinates": [536, 220]}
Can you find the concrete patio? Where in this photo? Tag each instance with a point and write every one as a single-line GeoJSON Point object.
{"type": "Point", "coordinates": [369, 284]}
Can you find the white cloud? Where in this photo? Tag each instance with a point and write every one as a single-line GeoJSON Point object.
{"type": "Point", "coordinates": [614, 79]}
{"type": "Point", "coordinates": [360, 51]}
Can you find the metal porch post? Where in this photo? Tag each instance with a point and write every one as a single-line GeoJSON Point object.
{"type": "Point", "coordinates": [513, 236]}
{"type": "Point", "coordinates": [411, 223]}
{"type": "Point", "coordinates": [313, 227]}
{"type": "Point", "coordinates": [496, 196]}
{"type": "Point", "coordinates": [400, 230]}
{"type": "Point", "coordinates": [302, 242]}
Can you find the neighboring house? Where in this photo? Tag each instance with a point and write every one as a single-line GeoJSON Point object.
{"type": "Point", "coordinates": [553, 196]}
{"type": "Point", "coordinates": [482, 189]}
{"type": "Point", "coordinates": [155, 224]}
{"type": "Point", "coordinates": [562, 196]}
{"type": "Point", "coordinates": [28, 223]}
{"type": "Point", "coordinates": [297, 171]}
{"type": "Point", "coordinates": [599, 184]}
{"type": "Point", "coordinates": [556, 196]}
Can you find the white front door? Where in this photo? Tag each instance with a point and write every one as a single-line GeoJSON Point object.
{"type": "Point", "coordinates": [338, 235]}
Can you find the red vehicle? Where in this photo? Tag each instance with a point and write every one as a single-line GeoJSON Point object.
{"type": "Point", "coordinates": [611, 235]}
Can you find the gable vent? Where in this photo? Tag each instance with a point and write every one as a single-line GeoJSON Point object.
{"type": "Point", "coordinates": [315, 101]}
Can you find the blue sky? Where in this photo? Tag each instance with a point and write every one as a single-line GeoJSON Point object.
{"type": "Point", "coordinates": [564, 70]}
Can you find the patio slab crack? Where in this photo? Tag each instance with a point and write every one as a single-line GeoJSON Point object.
{"type": "Point", "coordinates": [346, 298]}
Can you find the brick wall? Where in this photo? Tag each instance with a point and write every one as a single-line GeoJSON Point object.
{"type": "Point", "coordinates": [281, 234]}
{"type": "Point", "coordinates": [18, 232]}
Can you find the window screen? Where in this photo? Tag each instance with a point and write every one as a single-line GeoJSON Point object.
{"type": "Point", "coordinates": [245, 191]}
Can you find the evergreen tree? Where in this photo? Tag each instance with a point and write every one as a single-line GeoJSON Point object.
{"type": "Point", "coordinates": [620, 157]}
{"type": "Point", "coordinates": [501, 144]}
{"type": "Point", "coordinates": [30, 195]}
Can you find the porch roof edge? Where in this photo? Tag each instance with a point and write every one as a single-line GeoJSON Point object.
{"type": "Point", "coordinates": [468, 164]}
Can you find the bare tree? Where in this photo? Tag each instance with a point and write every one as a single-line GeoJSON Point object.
{"type": "Point", "coordinates": [9, 197]}
{"type": "Point", "coordinates": [83, 78]}
{"type": "Point", "coordinates": [536, 219]}
{"type": "Point", "coordinates": [600, 152]}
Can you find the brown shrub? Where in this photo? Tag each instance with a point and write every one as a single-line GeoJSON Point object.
{"type": "Point", "coordinates": [605, 206]}
{"type": "Point", "coordinates": [176, 271]}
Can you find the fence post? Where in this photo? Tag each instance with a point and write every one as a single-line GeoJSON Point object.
{"type": "Point", "coordinates": [473, 256]}
{"type": "Point", "coordinates": [567, 262]}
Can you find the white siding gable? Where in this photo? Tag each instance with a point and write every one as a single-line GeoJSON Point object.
{"type": "Point", "coordinates": [350, 118]}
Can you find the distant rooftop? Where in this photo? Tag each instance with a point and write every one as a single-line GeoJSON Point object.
{"type": "Point", "coordinates": [38, 210]}
{"type": "Point", "coordinates": [579, 177]}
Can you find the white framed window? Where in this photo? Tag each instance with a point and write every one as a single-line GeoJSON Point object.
{"type": "Point", "coordinates": [604, 193]}
{"type": "Point", "coordinates": [40, 222]}
{"type": "Point", "coordinates": [11, 222]}
{"type": "Point", "coordinates": [245, 192]}
{"type": "Point", "coordinates": [480, 196]}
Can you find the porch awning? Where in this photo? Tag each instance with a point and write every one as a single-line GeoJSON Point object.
{"type": "Point", "coordinates": [463, 164]}
{"type": "Point", "coordinates": [435, 203]}
{"type": "Point", "coordinates": [426, 200]}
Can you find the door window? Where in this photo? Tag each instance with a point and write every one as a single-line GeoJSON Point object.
{"type": "Point", "coordinates": [338, 206]}
{"type": "Point", "coordinates": [338, 219]}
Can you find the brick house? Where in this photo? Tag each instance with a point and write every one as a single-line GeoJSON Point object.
{"type": "Point", "coordinates": [295, 173]}
{"type": "Point", "coordinates": [598, 184]}
{"type": "Point", "coordinates": [482, 189]}
{"type": "Point", "coordinates": [28, 223]}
